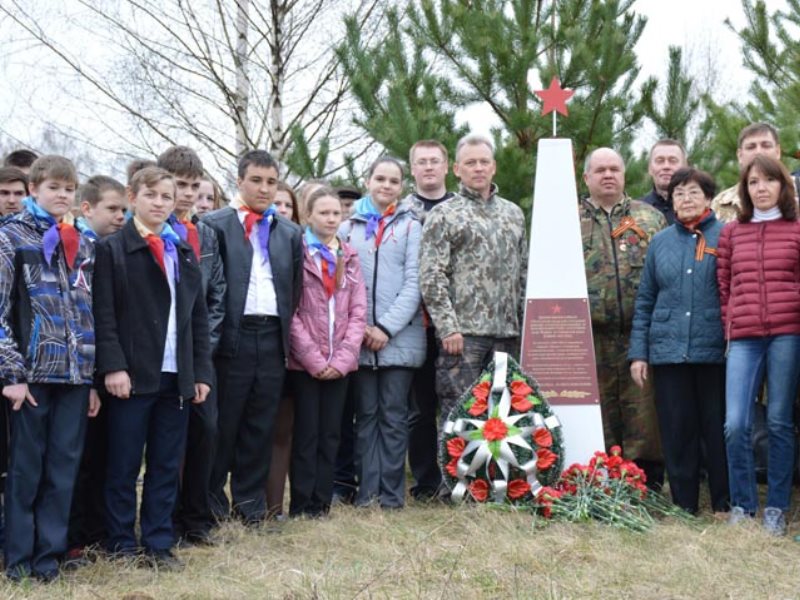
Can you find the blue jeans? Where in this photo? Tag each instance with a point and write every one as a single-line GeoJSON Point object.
{"type": "Point", "coordinates": [748, 360]}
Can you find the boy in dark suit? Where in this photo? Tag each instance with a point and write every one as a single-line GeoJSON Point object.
{"type": "Point", "coordinates": [154, 357]}
{"type": "Point", "coordinates": [262, 253]}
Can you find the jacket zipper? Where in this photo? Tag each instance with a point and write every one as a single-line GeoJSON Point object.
{"type": "Point", "coordinates": [616, 273]}
{"type": "Point", "coordinates": [374, 298]}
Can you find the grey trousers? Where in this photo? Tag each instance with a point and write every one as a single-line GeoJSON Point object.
{"type": "Point", "coordinates": [382, 434]}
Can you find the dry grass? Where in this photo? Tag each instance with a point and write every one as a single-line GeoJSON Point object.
{"type": "Point", "coordinates": [443, 552]}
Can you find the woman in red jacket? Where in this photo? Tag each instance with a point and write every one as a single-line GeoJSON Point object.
{"type": "Point", "coordinates": [325, 340]}
{"type": "Point", "coordinates": [758, 271]}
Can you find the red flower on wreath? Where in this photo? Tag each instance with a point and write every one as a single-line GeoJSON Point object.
{"type": "Point", "coordinates": [545, 458]}
{"type": "Point", "coordinates": [521, 403]}
{"type": "Point", "coordinates": [478, 408]}
{"type": "Point", "coordinates": [495, 430]}
{"type": "Point", "coordinates": [518, 488]}
{"type": "Point", "coordinates": [452, 468]}
{"type": "Point", "coordinates": [455, 447]}
{"type": "Point", "coordinates": [520, 388]}
{"type": "Point", "coordinates": [479, 490]}
{"type": "Point", "coordinates": [481, 394]}
{"type": "Point", "coordinates": [542, 437]}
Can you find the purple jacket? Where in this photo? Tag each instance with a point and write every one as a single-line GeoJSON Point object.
{"type": "Point", "coordinates": [308, 336]}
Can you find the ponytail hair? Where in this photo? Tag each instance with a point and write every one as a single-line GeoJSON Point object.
{"type": "Point", "coordinates": [311, 199]}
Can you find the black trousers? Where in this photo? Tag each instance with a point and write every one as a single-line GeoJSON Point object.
{"type": "Point", "coordinates": [345, 482]}
{"type": "Point", "coordinates": [193, 516]}
{"type": "Point", "coordinates": [423, 426]}
{"type": "Point", "coordinates": [250, 385]}
{"type": "Point", "coordinates": [315, 441]}
{"type": "Point", "coordinates": [690, 401]}
{"type": "Point", "coordinates": [87, 520]}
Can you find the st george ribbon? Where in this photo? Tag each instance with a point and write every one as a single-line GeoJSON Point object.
{"type": "Point", "coordinates": [557, 343]}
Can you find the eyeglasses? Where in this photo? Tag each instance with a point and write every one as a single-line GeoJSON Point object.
{"type": "Point", "coordinates": [695, 194]}
{"type": "Point", "coordinates": [424, 162]}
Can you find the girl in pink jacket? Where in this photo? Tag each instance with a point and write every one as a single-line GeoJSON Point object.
{"type": "Point", "coordinates": [325, 340]}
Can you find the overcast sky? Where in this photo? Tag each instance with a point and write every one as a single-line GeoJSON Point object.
{"type": "Point", "coordinates": [697, 26]}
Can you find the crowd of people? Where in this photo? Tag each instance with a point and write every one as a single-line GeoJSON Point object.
{"type": "Point", "coordinates": [323, 335]}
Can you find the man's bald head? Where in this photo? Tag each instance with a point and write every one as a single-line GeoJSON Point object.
{"type": "Point", "coordinates": [604, 175]}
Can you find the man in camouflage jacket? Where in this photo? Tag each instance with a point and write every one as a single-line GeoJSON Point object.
{"type": "Point", "coordinates": [473, 266]}
{"type": "Point", "coordinates": [616, 232]}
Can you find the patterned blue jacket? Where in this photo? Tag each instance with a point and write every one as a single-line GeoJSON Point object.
{"type": "Point", "coordinates": [46, 323]}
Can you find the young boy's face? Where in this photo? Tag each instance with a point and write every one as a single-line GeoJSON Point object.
{"type": "Point", "coordinates": [55, 196]}
{"type": "Point", "coordinates": [11, 195]}
{"type": "Point", "coordinates": [187, 189]}
{"type": "Point", "coordinates": [108, 215]}
{"type": "Point", "coordinates": [152, 205]}
{"type": "Point", "coordinates": [258, 187]}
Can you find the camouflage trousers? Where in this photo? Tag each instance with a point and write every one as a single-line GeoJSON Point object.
{"type": "Point", "coordinates": [629, 413]}
{"type": "Point", "coordinates": [456, 374]}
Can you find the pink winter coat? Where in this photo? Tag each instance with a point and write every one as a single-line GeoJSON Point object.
{"type": "Point", "coordinates": [758, 271]}
{"type": "Point", "coordinates": [308, 335]}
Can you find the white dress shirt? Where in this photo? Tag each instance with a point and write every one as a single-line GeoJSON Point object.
{"type": "Point", "coordinates": [261, 298]}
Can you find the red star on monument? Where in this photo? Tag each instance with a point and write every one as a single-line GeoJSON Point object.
{"type": "Point", "coordinates": [556, 309]}
{"type": "Point", "coordinates": [555, 98]}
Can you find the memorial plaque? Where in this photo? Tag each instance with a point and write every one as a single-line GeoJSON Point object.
{"type": "Point", "coordinates": [558, 348]}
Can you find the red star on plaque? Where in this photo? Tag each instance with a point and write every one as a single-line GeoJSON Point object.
{"type": "Point", "coordinates": [554, 98]}
{"type": "Point", "coordinates": [556, 309]}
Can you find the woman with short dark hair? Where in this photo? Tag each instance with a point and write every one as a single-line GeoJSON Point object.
{"type": "Point", "coordinates": [677, 330]}
{"type": "Point", "coordinates": [759, 285]}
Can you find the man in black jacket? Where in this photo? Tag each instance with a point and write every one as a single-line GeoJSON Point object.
{"type": "Point", "coordinates": [193, 516]}
{"type": "Point", "coordinates": [262, 253]}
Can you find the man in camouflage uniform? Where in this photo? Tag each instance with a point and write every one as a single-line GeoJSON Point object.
{"type": "Point", "coordinates": [756, 138]}
{"type": "Point", "coordinates": [616, 232]}
{"type": "Point", "coordinates": [473, 265]}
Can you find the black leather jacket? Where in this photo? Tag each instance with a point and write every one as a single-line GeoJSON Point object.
{"type": "Point", "coordinates": [214, 285]}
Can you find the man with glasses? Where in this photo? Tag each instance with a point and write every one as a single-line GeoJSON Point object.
{"type": "Point", "coordinates": [428, 160]}
{"type": "Point", "coordinates": [473, 265]}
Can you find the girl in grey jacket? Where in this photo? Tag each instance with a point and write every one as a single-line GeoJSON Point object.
{"type": "Point", "coordinates": [387, 237]}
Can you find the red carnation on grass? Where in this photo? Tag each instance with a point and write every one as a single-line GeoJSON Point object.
{"type": "Point", "coordinates": [495, 430]}
{"type": "Point", "coordinates": [452, 468]}
{"type": "Point", "coordinates": [542, 437]}
{"type": "Point", "coordinates": [455, 447]}
{"type": "Point", "coordinates": [545, 458]}
{"type": "Point", "coordinates": [479, 490]}
{"type": "Point", "coordinates": [518, 488]}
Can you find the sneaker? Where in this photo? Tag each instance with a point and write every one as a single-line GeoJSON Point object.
{"type": "Point", "coordinates": [774, 521]}
{"type": "Point", "coordinates": [739, 515]}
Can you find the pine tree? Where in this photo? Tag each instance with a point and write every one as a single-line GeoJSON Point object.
{"type": "Point", "coordinates": [482, 51]}
{"type": "Point", "coordinates": [771, 51]}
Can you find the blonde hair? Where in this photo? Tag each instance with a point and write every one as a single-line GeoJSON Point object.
{"type": "Point", "coordinates": [149, 177]}
{"type": "Point", "coordinates": [327, 192]}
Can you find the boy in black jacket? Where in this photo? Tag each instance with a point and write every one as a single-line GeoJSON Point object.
{"type": "Point", "coordinates": [153, 355]}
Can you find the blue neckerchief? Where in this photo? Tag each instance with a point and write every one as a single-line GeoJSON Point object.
{"type": "Point", "coordinates": [312, 241]}
{"type": "Point", "coordinates": [37, 211]}
{"type": "Point", "coordinates": [178, 227]}
{"type": "Point", "coordinates": [82, 225]}
{"type": "Point", "coordinates": [366, 209]}
{"type": "Point", "coordinates": [171, 242]}
{"type": "Point", "coordinates": [51, 237]}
